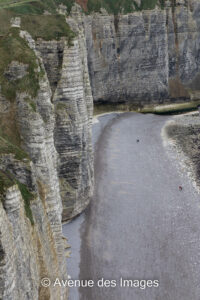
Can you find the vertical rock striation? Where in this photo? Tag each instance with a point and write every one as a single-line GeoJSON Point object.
{"type": "Point", "coordinates": [67, 70]}
{"type": "Point", "coordinates": [73, 103]}
{"type": "Point", "coordinates": [31, 211]}
{"type": "Point", "coordinates": [145, 57]}
{"type": "Point", "coordinates": [52, 56]}
{"type": "Point", "coordinates": [46, 163]}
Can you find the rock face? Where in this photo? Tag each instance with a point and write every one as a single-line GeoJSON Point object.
{"type": "Point", "coordinates": [30, 214]}
{"type": "Point", "coordinates": [67, 70]}
{"type": "Point", "coordinates": [145, 57]}
{"type": "Point", "coordinates": [55, 178]}
{"type": "Point", "coordinates": [52, 55]}
{"type": "Point", "coordinates": [74, 110]}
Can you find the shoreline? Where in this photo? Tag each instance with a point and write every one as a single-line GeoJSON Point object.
{"type": "Point", "coordinates": [181, 136]}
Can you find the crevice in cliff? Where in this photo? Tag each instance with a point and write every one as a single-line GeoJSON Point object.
{"type": "Point", "coordinates": [2, 268]}
{"type": "Point", "coordinates": [147, 22]}
{"type": "Point", "coordinates": [52, 56]}
{"type": "Point", "coordinates": [116, 23]}
{"type": "Point", "coordinates": [173, 9]}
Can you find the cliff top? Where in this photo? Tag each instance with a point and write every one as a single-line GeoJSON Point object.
{"type": "Point", "coordinates": [112, 6]}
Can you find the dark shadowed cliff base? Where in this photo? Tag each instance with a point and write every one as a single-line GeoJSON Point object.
{"type": "Point", "coordinates": [139, 225]}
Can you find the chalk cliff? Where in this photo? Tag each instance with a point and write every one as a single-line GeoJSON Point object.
{"type": "Point", "coordinates": [145, 57]}
{"type": "Point", "coordinates": [32, 246]}
{"type": "Point", "coordinates": [48, 82]}
{"type": "Point", "coordinates": [67, 70]}
{"type": "Point", "coordinates": [46, 170]}
{"type": "Point", "coordinates": [74, 110]}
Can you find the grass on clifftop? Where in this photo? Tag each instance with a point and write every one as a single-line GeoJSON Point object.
{"type": "Point", "coordinates": [47, 27]}
{"type": "Point", "coordinates": [39, 25]}
{"type": "Point", "coordinates": [112, 6]}
{"type": "Point", "coordinates": [35, 6]}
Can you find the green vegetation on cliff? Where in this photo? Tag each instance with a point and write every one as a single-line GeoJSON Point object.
{"type": "Point", "coordinates": [7, 147]}
{"type": "Point", "coordinates": [112, 6]}
{"type": "Point", "coordinates": [35, 6]}
{"type": "Point", "coordinates": [15, 48]}
{"type": "Point", "coordinates": [47, 27]}
{"type": "Point", "coordinates": [6, 181]}
{"type": "Point", "coordinates": [40, 18]}
{"type": "Point", "coordinates": [27, 197]}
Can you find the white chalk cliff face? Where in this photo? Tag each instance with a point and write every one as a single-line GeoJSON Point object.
{"type": "Point", "coordinates": [67, 70]}
{"type": "Point", "coordinates": [32, 246]}
{"type": "Point", "coordinates": [74, 110]}
{"type": "Point", "coordinates": [55, 180]}
{"type": "Point", "coordinates": [145, 57]}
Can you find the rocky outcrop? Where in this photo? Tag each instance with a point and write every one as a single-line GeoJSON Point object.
{"type": "Point", "coordinates": [67, 70]}
{"type": "Point", "coordinates": [46, 162]}
{"type": "Point", "coordinates": [52, 56]}
{"type": "Point", "coordinates": [31, 210]}
{"type": "Point", "coordinates": [145, 57]}
{"type": "Point", "coordinates": [74, 110]}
